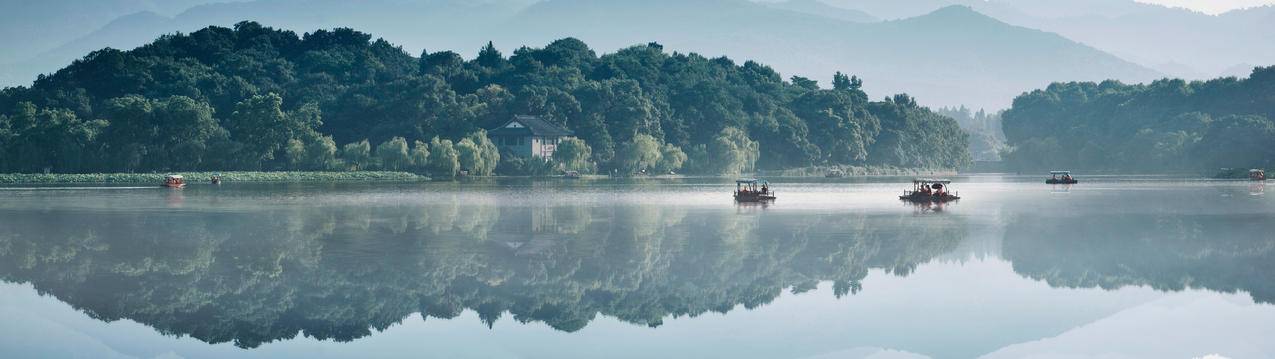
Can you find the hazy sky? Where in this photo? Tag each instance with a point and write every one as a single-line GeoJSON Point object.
{"type": "Point", "coordinates": [1211, 6]}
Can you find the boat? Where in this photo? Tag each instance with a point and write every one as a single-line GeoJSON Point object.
{"type": "Point", "coordinates": [1061, 177]}
{"type": "Point", "coordinates": [753, 190]}
{"type": "Point", "coordinates": [1256, 175]}
{"type": "Point", "coordinates": [835, 173]}
{"type": "Point", "coordinates": [930, 190]}
{"type": "Point", "coordinates": [571, 175]}
{"type": "Point", "coordinates": [174, 181]}
{"type": "Point", "coordinates": [216, 179]}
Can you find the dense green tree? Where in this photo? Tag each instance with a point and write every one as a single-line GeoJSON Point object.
{"type": "Point", "coordinates": [262, 126]}
{"type": "Point", "coordinates": [731, 152]}
{"type": "Point", "coordinates": [51, 140]}
{"type": "Point", "coordinates": [641, 154]}
{"type": "Point", "coordinates": [357, 154]}
{"type": "Point", "coordinates": [420, 156]}
{"type": "Point", "coordinates": [485, 155]}
{"type": "Point", "coordinates": [1167, 125]}
{"type": "Point", "coordinates": [295, 153]}
{"type": "Point", "coordinates": [393, 154]}
{"type": "Point", "coordinates": [839, 123]}
{"type": "Point", "coordinates": [574, 154]}
{"type": "Point", "coordinates": [444, 161]}
{"type": "Point", "coordinates": [243, 97]}
{"type": "Point", "coordinates": [842, 81]}
{"type": "Point", "coordinates": [320, 154]}
{"type": "Point", "coordinates": [469, 155]}
{"type": "Point", "coordinates": [671, 159]}
{"type": "Point", "coordinates": [1244, 140]}
{"type": "Point", "coordinates": [169, 134]}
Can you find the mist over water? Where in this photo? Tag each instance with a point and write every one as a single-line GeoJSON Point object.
{"type": "Point", "coordinates": [640, 268]}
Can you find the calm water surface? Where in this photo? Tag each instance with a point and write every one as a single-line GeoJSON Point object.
{"type": "Point", "coordinates": [1117, 267]}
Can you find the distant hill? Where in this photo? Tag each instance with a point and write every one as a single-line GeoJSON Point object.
{"type": "Point", "coordinates": [953, 56]}
{"type": "Point", "coordinates": [1176, 41]}
{"type": "Point", "coordinates": [31, 27]}
{"type": "Point", "coordinates": [818, 7]}
{"type": "Point", "coordinates": [404, 21]}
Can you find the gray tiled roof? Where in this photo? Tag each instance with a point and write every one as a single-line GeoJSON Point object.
{"type": "Point", "coordinates": [531, 126]}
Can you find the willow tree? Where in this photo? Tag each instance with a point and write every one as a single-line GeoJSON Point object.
{"type": "Point", "coordinates": [357, 154]}
{"type": "Point", "coordinates": [393, 154]}
{"type": "Point", "coordinates": [731, 152]}
{"type": "Point", "coordinates": [642, 153]}
{"type": "Point", "coordinates": [574, 154]}
{"type": "Point", "coordinates": [444, 161]}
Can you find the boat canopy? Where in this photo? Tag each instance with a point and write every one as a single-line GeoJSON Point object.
{"type": "Point", "coordinates": [1059, 172]}
{"type": "Point", "coordinates": [931, 180]}
{"type": "Point", "coordinates": [749, 180]}
{"type": "Point", "coordinates": [173, 176]}
{"type": "Point", "coordinates": [1255, 171]}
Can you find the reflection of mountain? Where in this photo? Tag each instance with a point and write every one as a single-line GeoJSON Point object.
{"type": "Point", "coordinates": [1166, 251]}
{"type": "Point", "coordinates": [337, 272]}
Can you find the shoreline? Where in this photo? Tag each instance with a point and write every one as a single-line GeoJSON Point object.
{"type": "Point", "coordinates": [203, 177]}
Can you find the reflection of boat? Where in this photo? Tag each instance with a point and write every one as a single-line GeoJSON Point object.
{"type": "Point", "coordinates": [747, 190]}
{"type": "Point", "coordinates": [1061, 177]}
{"type": "Point", "coordinates": [174, 181]}
{"type": "Point", "coordinates": [930, 190]}
{"type": "Point", "coordinates": [927, 206]}
{"type": "Point", "coordinates": [835, 173]}
{"type": "Point", "coordinates": [1257, 175]}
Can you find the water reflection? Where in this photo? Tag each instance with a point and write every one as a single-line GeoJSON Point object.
{"type": "Point", "coordinates": [252, 266]}
{"type": "Point", "coordinates": [341, 271]}
{"type": "Point", "coordinates": [1216, 238]}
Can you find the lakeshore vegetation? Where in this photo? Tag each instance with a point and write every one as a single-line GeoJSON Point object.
{"type": "Point", "coordinates": [1166, 125]}
{"type": "Point", "coordinates": [254, 98]}
{"type": "Point", "coordinates": [237, 176]}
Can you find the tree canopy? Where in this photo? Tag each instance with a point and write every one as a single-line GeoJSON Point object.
{"type": "Point", "coordinates": [1164, 125]}
{"type": "Point", "coordinates": [254, 97]}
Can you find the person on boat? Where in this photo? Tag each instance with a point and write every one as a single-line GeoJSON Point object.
{"type": "Point", "coordinates": [765, 188]}
{"type": "Point", "coordinates": [925, 190]}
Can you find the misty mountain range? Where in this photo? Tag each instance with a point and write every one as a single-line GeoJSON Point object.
{"type": "Point", "coordinates": [945, 52]}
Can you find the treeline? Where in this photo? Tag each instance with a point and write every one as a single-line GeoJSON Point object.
{"type": "Point", "coordinates": [1167, 125]}
{"type": "Point", "coordinates": [986, 139]}
{"type": "Point", "coordinates": [256, 98]}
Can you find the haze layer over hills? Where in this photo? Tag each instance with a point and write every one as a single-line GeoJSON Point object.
{"type": "Point", "coordinates": [1176, 41]}
{"type": "Point", "coordinates": [946, 56]}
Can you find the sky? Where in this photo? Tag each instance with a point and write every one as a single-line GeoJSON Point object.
{"type": "Point", "coordinates": [1211, 6]}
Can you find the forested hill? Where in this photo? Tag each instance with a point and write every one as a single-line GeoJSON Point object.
{"type": "Point", "coordinates": [253, 97]}
{"type": "Point", "coordinates": [945, 56]}
{"type": "Point", "coordinates": [1167, 125]}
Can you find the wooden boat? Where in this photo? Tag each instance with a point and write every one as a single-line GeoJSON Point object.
{"type": "Point", "coordinates": [929, 190]}
{"type": "Point", "coordinates": [1257, 175]}
{"type": "Point", "coordinates": [753, 190]}
{"type": "Point", "coordinates": [174, 181]}
{"type": "Point", "coordinates": [1061, 177]}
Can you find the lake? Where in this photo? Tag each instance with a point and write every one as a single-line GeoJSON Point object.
{"type": "Point", "coordinates": [1118, 266]}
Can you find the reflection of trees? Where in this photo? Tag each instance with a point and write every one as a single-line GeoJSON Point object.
{"type": "Point", "coordinates": [338, 272]}
{"type": "Point", "coordinates": [1166, 251]}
